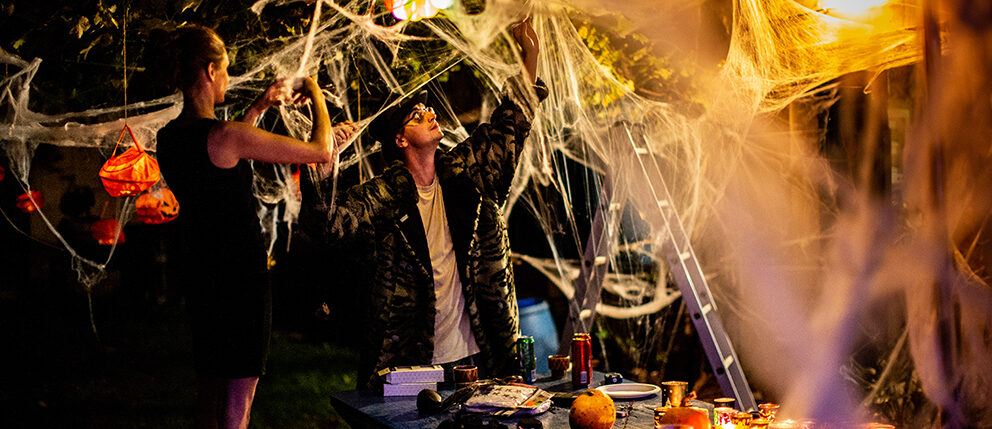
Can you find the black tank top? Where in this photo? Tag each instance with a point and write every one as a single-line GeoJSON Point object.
{"type": "Point", "coordinates": [217, 208]}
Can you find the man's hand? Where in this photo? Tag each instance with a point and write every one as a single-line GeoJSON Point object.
{"type": "Point", "coordinates": [526, 37]}
{"type": "Point", "coordinates": [343, 132]}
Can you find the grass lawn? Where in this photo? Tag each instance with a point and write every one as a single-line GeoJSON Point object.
{"type": "Point", "coordinates": [139, 374]}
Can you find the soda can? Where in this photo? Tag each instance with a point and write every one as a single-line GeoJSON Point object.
{"type": "Point", "coordinates": [527, 359]}
{"type": "Point", "coordinates": [581, 360]}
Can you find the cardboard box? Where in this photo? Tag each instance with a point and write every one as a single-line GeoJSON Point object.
{"type": "Point", "coordinates": [413, 374]}
{"type": "Point", "coordinates": [406, 389]}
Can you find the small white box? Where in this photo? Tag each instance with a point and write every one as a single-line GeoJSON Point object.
{"type": "Point", "coordinates": [413, 374]}
{"type": "Point", "coordinates": [406, 389]}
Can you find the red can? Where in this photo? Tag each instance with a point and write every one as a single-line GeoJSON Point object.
{"type": "Point", "coordinates": [581, 360]}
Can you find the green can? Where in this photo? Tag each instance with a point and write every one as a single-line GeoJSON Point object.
{"type": "Point", "coordinates": [527, 359]}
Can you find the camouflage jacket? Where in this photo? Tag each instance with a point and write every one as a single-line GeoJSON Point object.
{"type": "Point", "coordinates": [379, 225]}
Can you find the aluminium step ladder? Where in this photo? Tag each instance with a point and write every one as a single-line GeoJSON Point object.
{"type": "Point", "coordinates": [683, 265]}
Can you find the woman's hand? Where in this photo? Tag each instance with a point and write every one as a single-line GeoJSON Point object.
{"type": "Point", "coordinates": [279, 93]}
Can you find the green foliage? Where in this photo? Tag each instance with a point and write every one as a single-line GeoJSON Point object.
{"type": "Point", "coordinates": [82, 43]}
{"type": "Point", "coordinates": [632, 60]}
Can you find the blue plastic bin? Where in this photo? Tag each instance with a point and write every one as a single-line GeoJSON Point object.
{"type": "Point", "coordinates": [536, 321]}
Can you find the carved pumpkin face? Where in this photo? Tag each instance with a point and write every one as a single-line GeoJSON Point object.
{"type": "Point", "coordinates": [107, 232]}
{"type": "Point", "coordinates": [157, 207]}
{"type": "Point", "coordinates": [131, 172]}
{"type": "Point", "coordinates": [25, 204]}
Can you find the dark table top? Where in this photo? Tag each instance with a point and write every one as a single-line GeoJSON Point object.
{"type": "Point", "coordinates": [363, 409]}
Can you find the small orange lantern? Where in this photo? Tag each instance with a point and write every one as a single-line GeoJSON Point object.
{"type": "Point", "coordinates": [30, 202]}
{"type": "Point", "coordinates": [131, 172]}
{"type": "Point", "coordinates": [298, 193]}
{"type": "Point", "coordinates": [107, 232]}
{"type": "Point", "coordinates": [3, 173]}
{"type": "Point", "coordinates": [157, 207]}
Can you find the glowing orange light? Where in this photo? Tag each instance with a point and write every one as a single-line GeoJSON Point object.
{"type": "Point", "coordinates": [131, 172]}
{"type": "Point", "coordinates": [296, 179]}
{"type": "Point", "coordinates": [157, 207]}
{"type": "Point", "coordinates": [850, 8]}
{"type": "Point", "coordinates": [415, 10]}
{"type": "Point", "coordinates": [3, 173]}
{"type": "Point", "coordinates": [30, 201]}
{"type": "Point", "coordinates": [107, 232]}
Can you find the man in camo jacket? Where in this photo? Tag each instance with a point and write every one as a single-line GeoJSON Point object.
{"type": "Point", "coordinates": [429, 238]}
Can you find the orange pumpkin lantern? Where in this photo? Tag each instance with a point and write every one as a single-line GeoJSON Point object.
{"type": "Point", "coordinates": [298, 193]}
{"type": "Point", "coordinates": [157, 207]}
{"type": "Point", "coordinates": [131, 172]}
{"type": "Point", "coordinates": [107, 232]}
{"type": "Point", "coordinates": [3, 173]}
{"type": "Point", "coordinates": [30, 201]}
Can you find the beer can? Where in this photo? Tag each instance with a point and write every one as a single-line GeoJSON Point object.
{"type": "Point", "coordinates": [527, 359]}
{"type": "Point", "coordinates": [581, 360]}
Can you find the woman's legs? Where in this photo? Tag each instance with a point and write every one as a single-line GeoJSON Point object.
{"type": "Point", "coordinates": [224, 403]}
{"type": "Point", "coordinates": [240, 394]}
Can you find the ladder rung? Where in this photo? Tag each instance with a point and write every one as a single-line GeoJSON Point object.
{"type": "Point", "coordinates": [641, 150]}
{"type": "Point", "coordinates": [727, 361]}
{"type": "Point", "coordinates": [685, 255]}
{"type": "Point", "coordinates": [600, 260]}
{"type": "Point", "coordinates": [664, 203]}
{"type": "Point", "coordinates": [614, 207]}
{"type": "Point", "coordinates": [707, 308]}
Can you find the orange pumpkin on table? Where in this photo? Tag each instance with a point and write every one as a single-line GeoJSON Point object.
{"type": "Point", "coordinates": [157, 207]}
{"type": "Point", "coordinates": [592, 410]}
{"type": "Point", "coordinates": [131, 172]}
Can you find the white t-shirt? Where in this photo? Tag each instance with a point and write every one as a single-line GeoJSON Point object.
{"type": "Point", "coordinates": [453, 338]}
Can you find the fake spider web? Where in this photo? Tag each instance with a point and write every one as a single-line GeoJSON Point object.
{"type": "Point", "coordinates": [797, 258]}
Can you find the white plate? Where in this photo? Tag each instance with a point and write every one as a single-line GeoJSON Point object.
{"type": "Point", "coordinates": [629, 390]}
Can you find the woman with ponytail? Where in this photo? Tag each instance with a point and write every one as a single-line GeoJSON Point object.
{"type": "Point", "coordinates": [224, 267]}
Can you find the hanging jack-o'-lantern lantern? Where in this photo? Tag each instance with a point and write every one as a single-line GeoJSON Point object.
{"type": "Point", "coordinates": [30, 201]}
{"type": "Point", "coordinates": [157, 207]}
{"type": "Point", "coordinates": [297, 192]}
{"type": "Point", "coordinates": [131, 172]}
{"type": "Point", "coordinates": [107, 232]}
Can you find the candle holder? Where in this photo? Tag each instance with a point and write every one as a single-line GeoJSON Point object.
{"type": "Point", "coordinates": [723, 416]}
{"type": "Point", "coordinates": [759, 423]}
{"type": "Point", "coordinates": [465, 375]}
{"type": "Point", "coordinates": [741, 419]}
{"type": "Point", "coordinates": [675, 392]}
{"type": "Point", "coordinates": [558, 364]}
{"type": "Point", "coordinates": [724, 402]}
{"type": "Point", "coordinates": [768, 411]}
